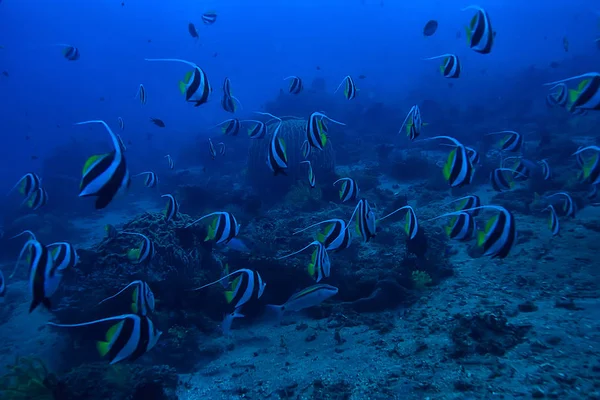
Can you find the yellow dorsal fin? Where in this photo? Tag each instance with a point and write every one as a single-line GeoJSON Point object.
{"type": "Point", "coordinates": [588, 165]}
{"type": "Point", "coordinates": [110, 334]}
{"type": "Point", "coordinates": [311, 269]}
{"type": "Point", "coordinates": [91, 161]}
{"type": "Point", "coordinates": [407, 223]}
{"type": "Point", "coordinates": [135, 294]}
{"type": "Point", "coordinates": [324, 139]}
{"type": "Point", "coordinates": [229, 296]}
{"type": "Point", "coordinates": [134, 308]}
{"type": "Point", "coordinates": [480, 238]}
{"type": "Point", "coordinates": [582, 84]}
{"type": "Point", "coordinates": [573, 94]}
{"type": "Point", "coordinates": [133, 254]}
{"type": "Point", "coordinates": [212, 229]}
{"type": "Point", "coordinates": [490, 223]}
{"type": "Point", "coordinates": [448, 166]}
{"type": "Point", "coordinates": [182, 87]}
{"type": "Point", "coordinates": [103, 348]}
{"type": "Point", "coordinates": [236, 281]}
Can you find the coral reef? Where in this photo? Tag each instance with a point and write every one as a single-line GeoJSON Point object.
{"type": "Point", "coordinates": [28, 379]}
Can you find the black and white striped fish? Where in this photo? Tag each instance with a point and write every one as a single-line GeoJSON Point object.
{"type": "Point", "coordinates": [64, 254]}
{"type": "Point", "coordinates": [121, 123]}
{"type": "Point", "coordinates": [512, 142]}
{"type": "Point", "coordinates": [411, 225]}
{"type": "Point", "coordinates": [546, 171]}
{"type": "Point", "coordinates": [172, 208]}
{"type": "Point", "coordinates": [569, 207]}
{"type": "Point", "coordinates": [480, 35]}
{"type": "Point", "coordinates": [306, 149]}
{"type": "Point", "coordinates": [44, 277]}
{"type": "Point", "coordinates": [211, 149]}
{"type": "Point", "coordinates": [457, 170]}
{"type": "Point", "coordinates": [258, 131]}
{"type": "Point", "coordinates": [231, 126]}
{"type": "Point", "coordinates": [228, 104]}
{"type": "Point", "coordinates": [451, 66]}
{"type": "Point", "coordinates": [461, 226]}
{"type": "Point", "coordinates": [223, 228]}
{"type": "Point", "coordinates": [553, 222]}
{"type": "Point", "coordinates": [69, 52]}
{"type": "Point", "coordinates": [141, 93]}
{"type": "Point", "coordinates": [142, 302]}
{"type": "Point", "coordinates": [144, 253]}
{"type": "Point", "coordinates": [350, 90]}
{"type": "Point", "coordinates": [130, 338]}
{"type": "Point", "coordinates": [587, 94]}
{"type": "Point", "coordinates": [467, 202]}
{"type": "Point", "coordinates": [311, 175]}
{"type": "Point", "coordinates": [365, 220]}
{"type": "Point", "coordinates": [315, 131]}
{"type": "Point", "coordinates": [591, 166]}
{"type": "Point", "coordinates": [195, 86]}
{"type": "Point", "coordinates": [349, 189]}
{"type": "Point", "coordinates": [473, 156]}
{"type": "Point", "coordinates": [499, 235]}
{"type": "Point", "coordinates": [228, 101]}
{"type": "Point", "coordinates": [37, 199]}
{"type": "Point", "coordinates": [277, 159]}
{"type": "Point", "coordinates": [151, 178]}
{"type": "Point", "coordinates": [246, 286]}
{"type": "Point", "coordinates": [413, 123]}
{"type": "Point", "coordinates": [105, 174]}
{"type": "Point", "coordinates": [335, 237]}
{"type": "Point", "coordinates": [170, 161]}
{"type": "Point", "coordinates": [499, 181]}
{"type": "Point", "coordinates": [28, 184]}
{"type": "Point", "coordinates": [522, 171]}
{"type": "Point", "coordinates": [320, 264]}
{"type": "Point", "coordinates": [295, 85]}
{"type": "Point", "coordinates": [209, 17]}
{"type": "Point", "coordinates": [559, 97]}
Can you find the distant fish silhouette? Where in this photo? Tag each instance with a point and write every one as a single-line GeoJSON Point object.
{"type": "Point", "coordinates": [192, 30]}
{"type": "Point", "coordinates": [157, 122]}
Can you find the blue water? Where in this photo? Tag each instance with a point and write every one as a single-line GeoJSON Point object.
{"type": "Point", "coordinates": [256, 44]}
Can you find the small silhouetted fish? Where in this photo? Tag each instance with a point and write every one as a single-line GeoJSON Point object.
{"type": "Point", "coordinates": [215, 54]}
{"type": "Point", "coordinates": [598, 43]}
{"type": "Point", "coordinates": [158, 122]}
{"type": "Point", "coordinates": [101, 98]}
{"type": "Point", "coordinates": [122, 3]}
{"type": "Point", "coordinates": [129, 142]}
{"type": "Point", "coordinates": [430, 27]}
{"type": "Point", "coordinates": [566, 44]}
{"type": "Point", "coordinates": [318, 68]}
{"type": "Point", "coordinates": [149, 136]}
{"type": "Point", "coordinates": [361, 77]}
{"type": "Point", "coordinates": [192, 30]}
{"type": "Point", "coordinates": [149, 40]}
{"type": "Point", "coordinates": [554, 64]}
{"type": "Point", "coordinates": [5, 73]}
{"type": "Point", "coordinates": [27, 137]}
{"type": "Point", "coordinates": [450, 84]}
{"type": "Point", "coordinates": [34, 157]}
{"type": "Point", "coordinates": [458, 34]}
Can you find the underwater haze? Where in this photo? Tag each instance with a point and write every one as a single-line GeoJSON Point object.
{"type": "Point", "coordinates": [283, 199]}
